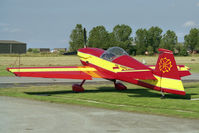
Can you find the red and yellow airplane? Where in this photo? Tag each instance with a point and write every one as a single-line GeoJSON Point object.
{"type": "Point", "coordinates": [115, 64]}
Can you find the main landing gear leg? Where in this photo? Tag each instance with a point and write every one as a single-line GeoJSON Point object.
{"type": "Point", "coordinates": [78, 87]}
{"type": "Point", "coordinates": [119, 86]}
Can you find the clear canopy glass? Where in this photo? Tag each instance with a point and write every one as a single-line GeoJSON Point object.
{"type": "Point", "coordinates": [113, 53]}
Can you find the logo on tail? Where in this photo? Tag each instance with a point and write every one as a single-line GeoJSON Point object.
{"type": "Point", "coordinates": [165, 65]}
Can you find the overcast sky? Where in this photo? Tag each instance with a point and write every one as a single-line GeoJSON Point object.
{"type": "Point", "coordinates": [48, 23]}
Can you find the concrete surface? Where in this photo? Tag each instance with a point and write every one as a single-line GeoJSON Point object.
{"type": "Point", "coordinates": [193, 76]}
{"type": "Point", "coordinates": [26, 116]}
{"type": "Point", "coordinates": [41, 80]}
{"type": "Point", "coordinates": [7, 82]}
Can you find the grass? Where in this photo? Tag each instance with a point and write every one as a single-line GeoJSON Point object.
{"type": "Point", "coordinates": [36, 62]}
{"type": "Point", "coordinates": [40, 61]}
{"type": "Point", "coordinates": [4, 72]}
{"type": "Point", "coordinates": [135, 99]}
{"type": "Point", "coordinates": [30, 54]}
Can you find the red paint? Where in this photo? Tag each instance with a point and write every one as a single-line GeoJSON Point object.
{"type": "Point", "coordinates": [165, 50]}
{"type": "Point", "coordinates": [143, 75]}
{"type": "Point", "coordinates": [181, 73]}
{"type": "Point", "coordinates": [184, 73]}
{"type": "Point", "coordinates": [93, 51]}
{"type": "Point", "coordinates": [173, 72]}
{"type": "Point", "coordinates": [64, 75]}
{"type": "Point", "coordinates": [128, 61]}
{"type": "Point", "coordinates": [42, 67]}
{"type": "Point", "coordinates": [115, 67]}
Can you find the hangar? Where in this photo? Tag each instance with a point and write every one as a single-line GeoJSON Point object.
{"type": "Point", "coordinates": [11, 46]}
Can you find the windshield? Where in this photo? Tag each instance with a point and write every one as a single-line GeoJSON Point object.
{"type": "Point", "coordinates": [113, 53]}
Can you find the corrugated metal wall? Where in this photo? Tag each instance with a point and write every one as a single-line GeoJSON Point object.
{"type": "Point", "coordinates": [19, 48]}
{"type": "Point", "coordinates": [4, 48]}
{"type": "Point", "coordinates": [12, 48]}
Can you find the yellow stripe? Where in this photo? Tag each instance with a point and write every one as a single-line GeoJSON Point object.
{"type": "Point", "coordinates": [185, 68]}
{"type": "Point", "coordinates": [143, 70]}
{"type": "Point", "coordinates": [166, 83]}
{"type": "Point", "coordinates": [152, 67]}
{"type": "Point", "coordinates": [93, 74]}
{"type": "Point", "coordinates": [52, 69]}
{"type": "Point", "coordinates": [105, 64]}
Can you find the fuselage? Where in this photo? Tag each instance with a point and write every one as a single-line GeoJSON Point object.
{"type": "Point", "coordinates": [123, 66]}
{"type": "Point", "coordinates": [93, 57]}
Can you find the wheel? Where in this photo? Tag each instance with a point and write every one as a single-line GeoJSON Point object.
{"type": "Point", "coordinates": [77, 88]}
{"type": "Point", "coordinates": [120, 86]}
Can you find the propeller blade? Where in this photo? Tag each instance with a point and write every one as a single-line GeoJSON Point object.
{"type": "Point", "coordinates": [85, 45]}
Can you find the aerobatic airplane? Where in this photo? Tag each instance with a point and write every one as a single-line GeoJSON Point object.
{"type": "Point", "coordinates": [115, 64]}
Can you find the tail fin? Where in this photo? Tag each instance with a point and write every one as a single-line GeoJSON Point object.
{"type": "Point", "coordinates": [167, 73]}
{"type": "Point", "coordinates": [166, 65]}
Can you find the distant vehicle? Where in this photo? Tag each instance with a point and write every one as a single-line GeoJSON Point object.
{"type": "Point", "coordinates": [70, 53]}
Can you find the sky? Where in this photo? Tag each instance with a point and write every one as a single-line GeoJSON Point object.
{"type": "Point", "coordinates": [48, 23]}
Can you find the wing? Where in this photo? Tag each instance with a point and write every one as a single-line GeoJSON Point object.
{"type": "Point", "coordinates": [72, 72]}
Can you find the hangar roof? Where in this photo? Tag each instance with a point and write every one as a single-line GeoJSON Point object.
{"type": "Point", "coordinates": [10, 42]}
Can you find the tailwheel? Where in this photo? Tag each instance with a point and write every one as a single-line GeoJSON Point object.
{"type": "Point", "coordinates": [163, 95]}
{"type": "Point", "coordinates": [120, 86]}
{"type": "Point", "coordinates": [78, 87]}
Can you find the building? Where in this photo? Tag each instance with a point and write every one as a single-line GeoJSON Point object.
{"type": "Point", "coordinates": [12, 47]}
{"type": "Point", "coordinates": [60, 49]}
{"type": "Point", "coordinates": [43, 50]}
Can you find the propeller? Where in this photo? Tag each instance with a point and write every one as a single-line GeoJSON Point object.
{"type": "Point", "coordinates": [85, 41]}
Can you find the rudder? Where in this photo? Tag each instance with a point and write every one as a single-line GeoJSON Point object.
{"type": "Point", "coordinates": [166, 72]}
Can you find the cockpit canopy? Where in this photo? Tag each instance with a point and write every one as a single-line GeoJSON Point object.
{"type": "Point", "coordinates": [113, 53]}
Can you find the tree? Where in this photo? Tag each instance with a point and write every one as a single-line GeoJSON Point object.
{"type": "Point", "coordinates": [150, 50]}
{"type": "Point", "coordinates": [122, 32]}
{"type": "Point", "coordinates": [169, 40]}
{"type": "Point", "coordinates": [112, 40]}
{"type": "Point", "coordinates": [77, 38]}
{"type": "Point", "coordinates": [99, 38]}
{"type": "Point", "coordinates": [181, 49]}
{"type": "Point", "coordinates": [30, 50]}
{"type": "Point", "coordinates": [34, 50]}
{"type": "Point", "coordinates": [154, 37]}
{"type": "Point", "coordinates": [192, 39]}
{"type": "Point", "coordinates": [122, 36]}
{"type": "Point", "coordinates": [141, 41]}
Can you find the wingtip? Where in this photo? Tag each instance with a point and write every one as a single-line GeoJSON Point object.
{"type": "Point", "coordinates": [8, 69]}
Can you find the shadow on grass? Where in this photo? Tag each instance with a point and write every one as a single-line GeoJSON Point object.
{"type": "Point", "coordinates": [132, 93]}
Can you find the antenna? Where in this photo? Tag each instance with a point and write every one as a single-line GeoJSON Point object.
{"type": "Point", "coordinates": [85, 38]}
{"type": "Point", "coordinates": [19, 61]}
